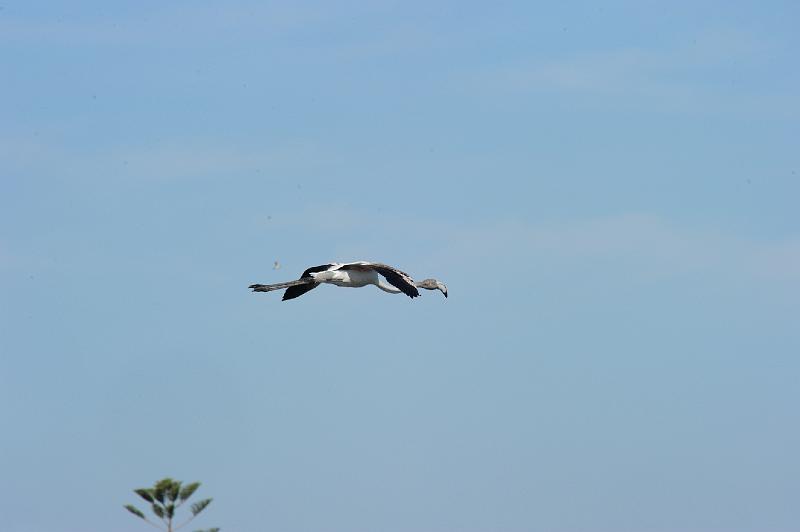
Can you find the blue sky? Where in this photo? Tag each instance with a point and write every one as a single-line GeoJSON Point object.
{"type": "Point", "coordinates": [609, 191]}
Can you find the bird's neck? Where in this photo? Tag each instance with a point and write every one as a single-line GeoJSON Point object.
{"type": "Point", "coordinates": [386, 287]}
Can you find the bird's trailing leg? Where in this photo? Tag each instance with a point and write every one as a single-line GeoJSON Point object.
{"type": "Point", "coordinates": [280, 286]}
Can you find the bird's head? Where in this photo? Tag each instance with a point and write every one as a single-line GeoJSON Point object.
{"type": "Point", "coordinates": [433, 284]}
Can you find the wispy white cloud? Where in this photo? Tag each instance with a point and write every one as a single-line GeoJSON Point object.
{"type": "Point", "coordinates": [617, 69]}
{"type": "Point", "coordinates": [176, 24]}
{"type": "Point", "coordinates": [713, 71]}
{"type": "Point", "coordinates": [164, 161]}
{"type": "Point", "coordinates": [182, 161]}
{"type": "Point", "coordinates": [310, 32]}
{"type": "Point", "coordinates": [638, 246]}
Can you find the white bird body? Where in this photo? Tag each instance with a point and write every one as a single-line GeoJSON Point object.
{"type": "Point", "coordinates": [354, 275]}
{"type": "Point", "coordinates": [354, 278]}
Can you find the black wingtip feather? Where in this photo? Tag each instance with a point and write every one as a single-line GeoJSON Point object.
{"type": "Point", "coordinates": [398, 280]}
{"type": "Point", "coordinates": [297, 291]}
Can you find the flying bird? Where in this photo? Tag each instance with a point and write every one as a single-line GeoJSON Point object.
{"type": "Point", "coordinates": [353, 275]}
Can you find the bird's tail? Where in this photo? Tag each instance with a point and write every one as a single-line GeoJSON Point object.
{"type": "Point", "coordinates": [280, 286]}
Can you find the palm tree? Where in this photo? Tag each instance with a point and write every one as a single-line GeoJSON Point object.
{"type": "Point", "coordinates": [165, 497]}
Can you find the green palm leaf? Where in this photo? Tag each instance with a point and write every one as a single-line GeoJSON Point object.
{"type": "Point", "coordinates": [188, 490]}
{"type": "Point", "coordinates": [200, 506]}
{"type": "Point", "coordinates": [135, 511]}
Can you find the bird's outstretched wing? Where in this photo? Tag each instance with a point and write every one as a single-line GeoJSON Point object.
{"type": "Point", "coordinates": [399, 279]}
{"type": "Point", "coordinates": [297, 291]}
